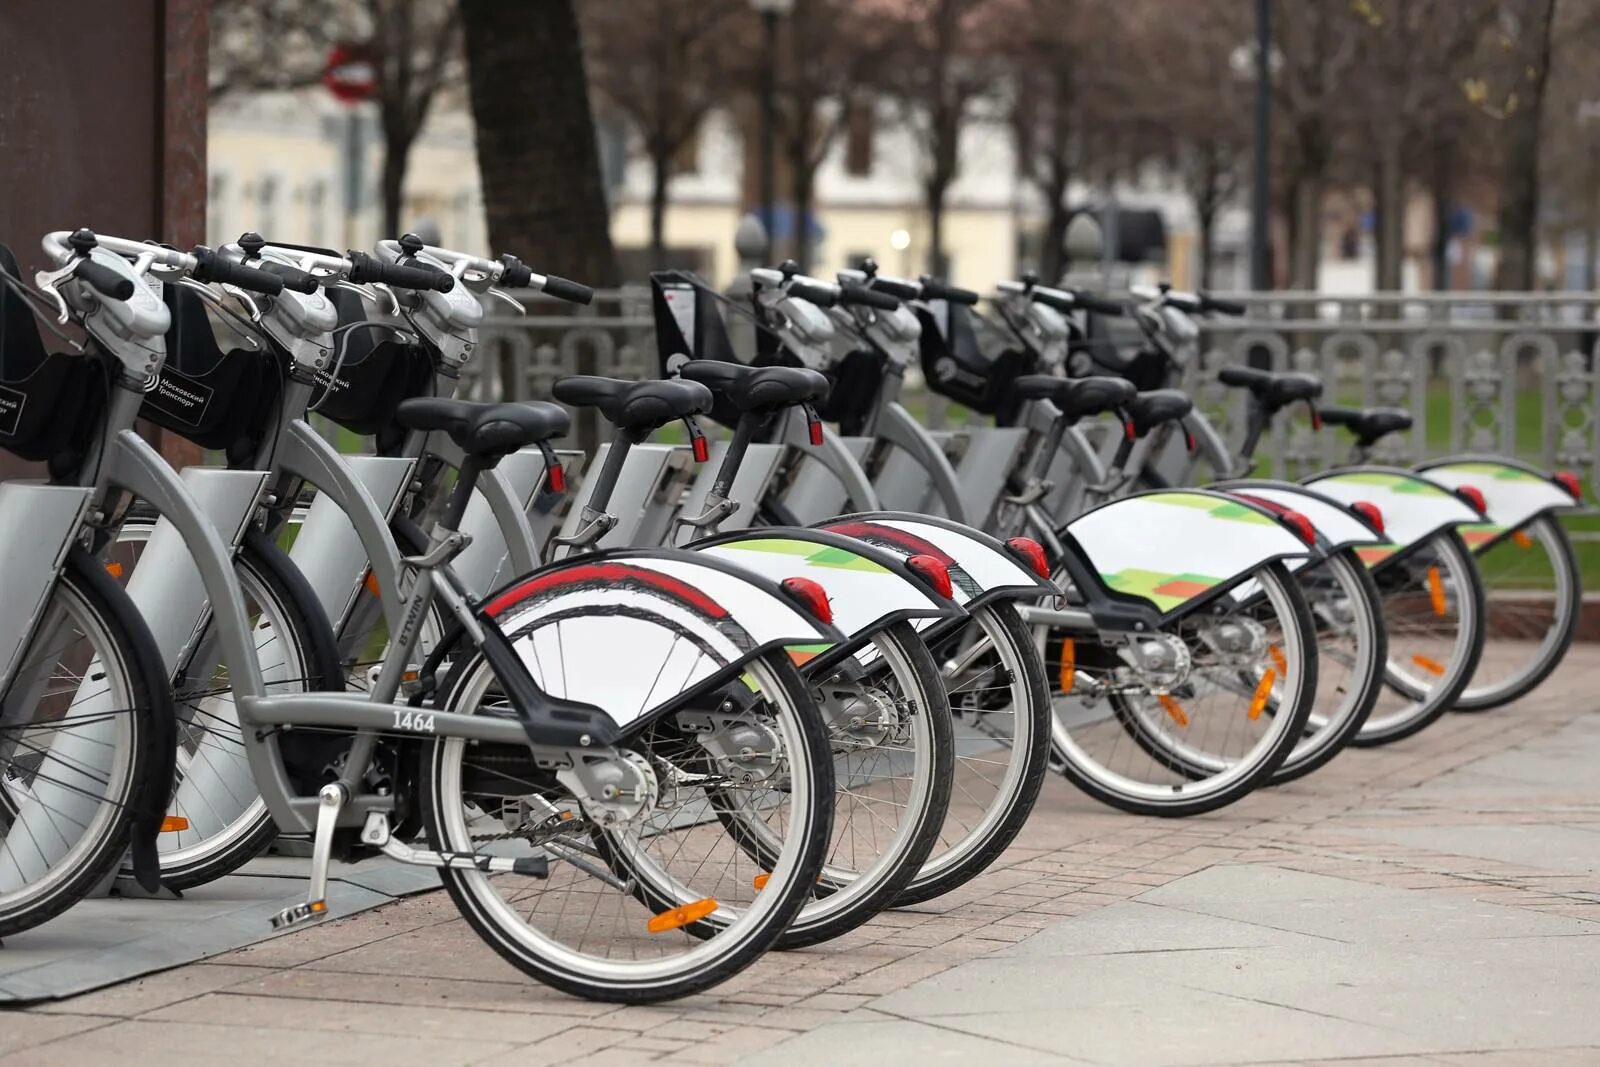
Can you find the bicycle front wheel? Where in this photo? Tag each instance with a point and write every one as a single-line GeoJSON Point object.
{"type": "Point", "coordinates": [78, 732]}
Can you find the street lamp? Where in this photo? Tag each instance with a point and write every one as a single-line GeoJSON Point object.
{"type": "Point", "coordinates": [770, 11]}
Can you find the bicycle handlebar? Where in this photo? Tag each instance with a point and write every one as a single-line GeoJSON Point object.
{"type": "Point", "coordinates": [1100, 305]}
{"type": "Point", "coordinates": [936, 289]}
{"type": "Point", "coordinates": [861, 296]}
{"type": "Point", "coordinates": [103, 279]}
{"type": "Point", "coordinates": [365, 268]}
{"type": "Point", "coordinates": [818, 293]}
{"type": "Point", "coordinates": [212, 266]}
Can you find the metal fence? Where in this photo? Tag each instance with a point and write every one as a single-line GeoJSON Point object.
{"type": "Point", "coordinates": [1513, 374]}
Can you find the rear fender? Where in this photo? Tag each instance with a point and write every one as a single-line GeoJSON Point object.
{"type": "Point", "coordinates": [868, 588]}
{"type": "Point", "coordinates": [1338, 525]}
{"type": "Point", "coordinates": [982, 569]}
{"type": "Point", "coordinates": [1172, 551]}
{"type": "Point", "coordinates": [1515, 493]}
{"type": "Point", "coordinates": [1414, 508]}
{"type": "Point", "coordinates": [697, 617]}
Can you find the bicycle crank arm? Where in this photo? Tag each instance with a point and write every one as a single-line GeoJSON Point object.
{"type": "Point", "coordinates": [376, 833]}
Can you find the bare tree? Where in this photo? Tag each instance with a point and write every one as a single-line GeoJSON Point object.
{"type": "Point", "coordinates": [260, 45]}
{"type": "Point", "coordinates": [1318, 48]}
{"type": "Point", "coordinates": [663, 64]}
{"type": "Point", "coordinates": [1046, 111]}
{"type": "Point", "coordinates": [542, 186]}
{"type": "Point", "coordinates": [1527, 26]}
{"type": "Point", "coordinates": [416, 50]}
{"type": "Point", "coordinates": [944, 66]}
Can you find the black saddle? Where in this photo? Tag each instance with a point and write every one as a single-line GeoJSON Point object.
{"type": "Point", "coordinates": [1076, 397]}
{"type": "Point", "coordinates": [637, 407]}
{"type": "Point", "coordinates": [758, 388]}
{"type": "Point", "coordinates": [1148, 410]}
{"type": "Point", "coordinates": [1273, 389]}
{"type": "Point", "coordinates": [1368, 424]}
{"type": "Point", "coordinates": [485, 429]}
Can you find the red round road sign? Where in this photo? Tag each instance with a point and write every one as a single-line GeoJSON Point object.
{"type": "Point", "coordinates": [349, 74]}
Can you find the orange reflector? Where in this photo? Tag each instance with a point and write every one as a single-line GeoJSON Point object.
{"type": "Point", "coordinates": [371, 582]}
{"type": "Point", "coordinates": [1436, 590]}
{"type": "Point", "coordinates": [410, 676]}
{"type": "Point", "coordinates": [1523, 541]}
{"type": "Point", "coordinates": [319, 906]}
{"type": "Point", "coordinates": [1279, 660]}
{"type": "Point", "coordinates": [114, 569]}
{"type": "Point", "coordinates": [1174, 709]}
{"type": "Point", "coordinates": [1069, 664]}
{"type": "Point", "coordinates": [1258, 702]}
{"type": "Point", "coordinates": [677, 918]}
{"type": "Point", "coordinates": [1432, 666]}
{"type": "Point", "coordinates": [173, 823]}
{"type": "Point", "coordinates": [760, 881]}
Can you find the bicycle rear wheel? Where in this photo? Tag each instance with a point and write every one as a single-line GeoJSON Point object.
{"type": "Point", "coordinates": [1533, 595]}
{"type": "Point", "coordinates": [658, 900]}
{"type": "Point", "coordinates": [79, 728]}
{"type": "Point", "coordinates": [1177, 723]}
{"type": "Point", "coordinates": [1433, 615]}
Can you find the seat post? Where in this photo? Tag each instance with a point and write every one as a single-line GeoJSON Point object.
{"type": "Point", "coordinates": [466, 478]}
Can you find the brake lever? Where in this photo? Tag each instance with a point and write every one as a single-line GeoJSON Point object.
{"type": "Point", "coordinates": [244, 296]}
{"type": "Point", "coordinates": [210, 296]}
{"type": "Point", "coordinates": [46, 282]}
{"type": "Point", "coordinates": [508, 298]}
{"type": "Point", "coordinates": [369, 291]}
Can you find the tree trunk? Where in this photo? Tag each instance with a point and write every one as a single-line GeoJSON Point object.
{"type": "Point", "coordinates": [660, 174]}
{"type": "Point", "coordinates": [542, 189]}
{"type": "Point", "coordinates": [936, 260]}
{"type": "Point", "coordinates": [1206, 224]}
{"type": "Point", "coordinates": [1053, 254]}
{"type": "Point", "coordinates": [1305, 231]}
{"type": "Point", "coordinates": [1443, 196]}
{"type": "Point", "coordinates": [1519, 179]}
{"type": "Point", "coordinates": [804, 194]}
{"type": "Point", "coordinates": [396, 156]}
{"type": "Point", "coordinates": [1389, 216]}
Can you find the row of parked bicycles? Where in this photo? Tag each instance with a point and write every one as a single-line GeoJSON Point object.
{"type": "Point", "coordinates": [653, 712]}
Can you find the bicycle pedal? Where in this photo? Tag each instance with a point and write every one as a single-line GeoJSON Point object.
{"type": "Point", "coordinates": [299, 913]}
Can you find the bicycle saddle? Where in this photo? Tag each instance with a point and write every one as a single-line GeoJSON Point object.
{"type": "Point", "coordinates": [1076, 397]}
{"type": "Point", "coordinates": [1148, 410]}
{"type": "Point", "coordinates": [634, 406]}
{"type": "Point", "coordinates": [1368, 424]}
{"type": "Point", "coordinates": [484, 429]}
{"type": "Point", "coordinates": [1274, 389]}
{"type": "Point", "coordinates": [757, 388]}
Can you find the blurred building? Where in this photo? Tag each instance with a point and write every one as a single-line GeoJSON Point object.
{"type": "Point", "coordinates": [300, 167]}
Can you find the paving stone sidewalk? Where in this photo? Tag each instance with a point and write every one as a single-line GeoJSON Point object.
{"type": "Point", "coordinates": [1435, 901]}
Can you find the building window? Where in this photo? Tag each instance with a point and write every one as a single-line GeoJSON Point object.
{"type": "Point", "coordinates": [858, 130]}
{"type": "Point", "coordinates": [316, 211]}
{"type": "Point", "coordinates": [686, 160]}
{"type": "Point", "coordinates": [267, 206]}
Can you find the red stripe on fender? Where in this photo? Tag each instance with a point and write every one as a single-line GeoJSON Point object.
{"type": "Point", "coordinates": [910, 542]}
{"type": "Point", "coordinates": [608, 572]}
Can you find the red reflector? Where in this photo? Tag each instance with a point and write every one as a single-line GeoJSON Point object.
{"type": "Point", "coordinates": [702, 451]}
{"type": "Point", "coordinates": [1128, 432]}
{"type": "Point", "coordinates": [1188, 439]}
{"type": "Point", "coordinates": [1369, 511]}
{"type": "Point", "coordinates": [1030, 552]}
{"type": "Point", "coordinates": [1569, 481]}
{"type": "Point", "coordinates": [935, 571]}
{"type": "Point", "coordinates": [1474, 496]}
{"type": "Point", "coordinates": [558, 478]}
{"type": "Point", "coordinates": [1300, 525]}
{"type": "Point", "coordinates": [816, 432]}
{"type": "Point", "coordinates": [810, 596]}
{"type": "Point", "coordinates": [1316, 418]}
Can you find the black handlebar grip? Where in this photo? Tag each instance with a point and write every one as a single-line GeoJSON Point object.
{"type": "Point", "coordinates": [861, 296]}
{"type": "Point", "coordinates": [212, 267]}
{"type": "Point", "coordinates": [1100, 305]}
{"type": "Point", "coordinates": [293, 278]}
{"type": "Point", "coordinates": [517, 275]}
{"type": "Point", "coordinates": [1184, 304]}
{"type": "Point", "coordinates": [894, 287]}
{"type": "Point", "coordinates": [1064, 303]}
{"type": "Point", "coordinates": [1224, 307]}
{"type": "Point", "coordinates": [565, 289]}
{"type": "Point", "coordinates": [104, 280]}
{"type": "Point", "coordinates": [365, 268]}
{"type": "Point", "coordinates": [823, 297]}
{"type": "Point", "coordinates": [934, 289]}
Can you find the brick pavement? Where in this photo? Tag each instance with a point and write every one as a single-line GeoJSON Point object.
{"type": "Point", "coordinates": [408, 983]}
